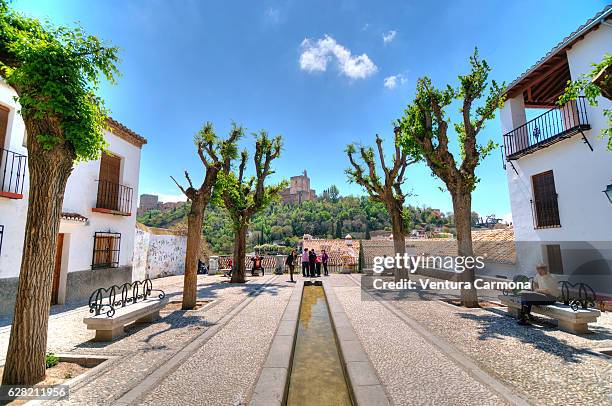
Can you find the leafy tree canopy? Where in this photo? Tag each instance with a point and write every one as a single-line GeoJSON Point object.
{"type": "Point", "coordinates": [56, 72]}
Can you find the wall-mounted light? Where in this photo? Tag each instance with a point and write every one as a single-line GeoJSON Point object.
{"type": "Point", "coordinates": [608, 192]}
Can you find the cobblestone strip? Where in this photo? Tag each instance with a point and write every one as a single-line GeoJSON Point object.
{"type": "Point", "coordinates": [412, 369]}
{"type": "Point", "coordinates": [143, 351]}
{"type": "Point", "coordinates": [148, 384]}
{"type": "Point", "coordinates": [225, 370]}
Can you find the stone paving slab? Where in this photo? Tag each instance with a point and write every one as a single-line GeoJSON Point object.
{"type": "Point", "coordinates": [225, 370]}
{"type": "Point", "coordinates": [412, 370]}
{"type": "Point", "coordinates": [147, 347]}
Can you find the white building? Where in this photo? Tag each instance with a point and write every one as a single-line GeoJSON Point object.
{"type": "Point", "coordinates": [558, 165]}
{"type": "Point", "coordinates": [96, 241]}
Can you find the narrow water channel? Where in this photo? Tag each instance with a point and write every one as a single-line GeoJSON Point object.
{"type": "Point", "coordinates": [317, 377]}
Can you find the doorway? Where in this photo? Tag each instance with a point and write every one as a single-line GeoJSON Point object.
{"type": "Point", "coordinates": [57, 270]}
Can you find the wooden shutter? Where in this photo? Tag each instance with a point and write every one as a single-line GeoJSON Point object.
{"type": "Point", "coordinates": [545, 200]}
{"type": "Point", "coordinates": [108, 184]}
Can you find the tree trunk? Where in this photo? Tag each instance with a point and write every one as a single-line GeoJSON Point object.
{"type": "Point", "coordinates": [238, 274]}
{"type": "Point", "coordinates": [49, 172]}
{"type": "Point", "coordinates": [399, 237]}
{"type": "Point", "coordinates": [462, 208]}
{"type": "Point", "coordinates": [194, 238]}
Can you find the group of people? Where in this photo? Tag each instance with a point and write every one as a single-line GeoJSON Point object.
{"type": "Point", "coordinates": [311, 263]}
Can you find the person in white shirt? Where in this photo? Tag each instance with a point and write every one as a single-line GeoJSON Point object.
{"type": "Point", "coordinates": [546, 291]}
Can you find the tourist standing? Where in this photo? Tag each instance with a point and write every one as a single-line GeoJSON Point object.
{"type": "Point", "coordinates": [324, 259]}
{"type": "Point", "coordinates": [290, 262]}
{"type": "Point", "coordinates": [312, 257]}
{"type": "Point", "coordinates": [318, 265]}
{"type": "Point", "coordinates": [305, 262]}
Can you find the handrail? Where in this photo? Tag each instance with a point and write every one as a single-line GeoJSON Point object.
{"type": "Point", "coordinates": [114, 196]}
{"type": "Point", "coordinates": [546, 128]}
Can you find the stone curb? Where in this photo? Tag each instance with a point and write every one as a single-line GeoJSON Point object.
{"type": "Point", "coordinates": [274, 376]}
{"type": "Point", "coordinates": [455, 355]}
{"type": "Point", "coordinates": [144, 387]}
{"type": "Point", "coordinates": [363, 380]}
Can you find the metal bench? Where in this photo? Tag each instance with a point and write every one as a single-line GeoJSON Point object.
{"type": "Point", "coordinates": [573, 312]}
{"type": "Point", "coordinates": [117, 306]}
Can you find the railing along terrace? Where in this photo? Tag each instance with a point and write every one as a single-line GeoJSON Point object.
{"type": "Point", "coordinates": [113, 196]}
{"type": "Point", "coordinates": [12, 173]}
{"type": "Point", "coordinates": [554, 125]}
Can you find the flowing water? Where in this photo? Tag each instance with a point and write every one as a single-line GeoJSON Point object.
{"type": "Point", "coordinates": [317, 377]}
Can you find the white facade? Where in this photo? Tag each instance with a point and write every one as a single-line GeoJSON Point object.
{"type": "Point", "coordinates": [80, 197]}
{"type": "Point", "coordinates": [580, 175]}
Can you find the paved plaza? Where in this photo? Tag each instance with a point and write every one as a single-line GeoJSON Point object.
{"type": "Point", "coordinates": [423, 352]}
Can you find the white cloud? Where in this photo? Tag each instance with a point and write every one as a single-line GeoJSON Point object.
{"type": "Point", "coordinates": [316, 55]}
{"type": "Point", "coordinates": [392, 81]}
{"type": "Point", "coordinates": [389, 36]}
{"type": "Point", "coordinates": [171, 198]}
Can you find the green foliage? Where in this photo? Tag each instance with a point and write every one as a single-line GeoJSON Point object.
{"type": "Point", "coordinates": [244, 197]}
{"type": "Point", "coordinates": [56, 72]}
{"type": "Point", "coordinates": [287, 223]}
{"type": "Point", "coordinates": [51, 360]}
{"type": "Point", "coordinates": [585, 85]}
{"type": "Point", "coordinates": [424, 125]}
{"type": "Point", "coordinates": [273, 249]}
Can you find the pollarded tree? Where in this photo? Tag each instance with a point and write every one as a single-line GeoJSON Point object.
{"type": "Point", "coordinates": [387, 190]}
{"type": "Point", "coordinates": [210, 150]}
{"type": "Point", "coordinates": [424, 129]}
{"type": "Point", "coordinates": [55, 73]}
{"type": "Point", "coordinates": [243, 197]}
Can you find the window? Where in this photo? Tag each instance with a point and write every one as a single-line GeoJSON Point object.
{"type": "Point", "coordinates": [108, 186]}
{"type": "Point", "coordinates": [106, 250]}
{"type": "Point", "coordinates": [555, 262]}
{"type": "Point", "coordinates": [1, 236]}
{"type": "Point", "coordinates": [544, 203]}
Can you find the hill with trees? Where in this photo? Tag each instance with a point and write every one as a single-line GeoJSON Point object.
{"type": "Point", "coordinates": [328, 216]}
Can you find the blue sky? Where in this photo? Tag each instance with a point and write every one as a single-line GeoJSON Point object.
{"type": "Point", "coordinates": [269, 65]}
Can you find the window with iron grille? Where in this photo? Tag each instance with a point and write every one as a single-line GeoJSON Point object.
{"type": "Point", "coordinates": [555, 262]}
{"type": "Point", "coordinates": [106, 250]}
{"type": "Point", "coordinates": [544, 204]}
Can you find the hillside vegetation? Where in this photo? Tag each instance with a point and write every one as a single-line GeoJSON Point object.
{"type": "Point", "coordinates": [286, 224]}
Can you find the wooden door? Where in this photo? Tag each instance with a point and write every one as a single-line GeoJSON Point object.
{"type": "Point", "coordinates": [108, 185]}
{"type": "Point", "coordinates": [58, 268]}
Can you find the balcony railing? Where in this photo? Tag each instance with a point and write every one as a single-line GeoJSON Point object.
{"type": "Point", "coordinates": [114, 198]}
{"type": "Point", "coordinates": [546, 212]}
{"type": "Point", "coordinates": [12, 174]}
{"type": "Point", "coordinates": [553, 126]}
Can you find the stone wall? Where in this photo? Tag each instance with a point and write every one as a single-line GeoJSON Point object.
{"type": "Point", "coordinates": [158, 252]}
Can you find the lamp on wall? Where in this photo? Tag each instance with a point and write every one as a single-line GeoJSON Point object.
{"type": "Point", "coordinates": [608, 192]}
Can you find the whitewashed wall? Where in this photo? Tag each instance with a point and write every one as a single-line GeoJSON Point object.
{"type": "Point", "coordinates": [80, 197]}
{"type": "Point", "coordinates": [580, 174]}
{"type": "Point", "coordinates": [157, 255]}
{"type": "Point", "coordinates": [13, 212]}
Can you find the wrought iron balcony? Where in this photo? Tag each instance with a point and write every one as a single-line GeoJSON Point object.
{"type": "Point", "coordinates": [114, 198]}
{"type": "Point", "coordinates": [551, 127]}
{"type": "Point", "coordinates": [12, 174]}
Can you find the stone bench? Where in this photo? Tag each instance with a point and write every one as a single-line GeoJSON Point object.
{"type": "Point", "coordinates": [109, 328]}
{"type": "Point", "coordinates": [568, 320]}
